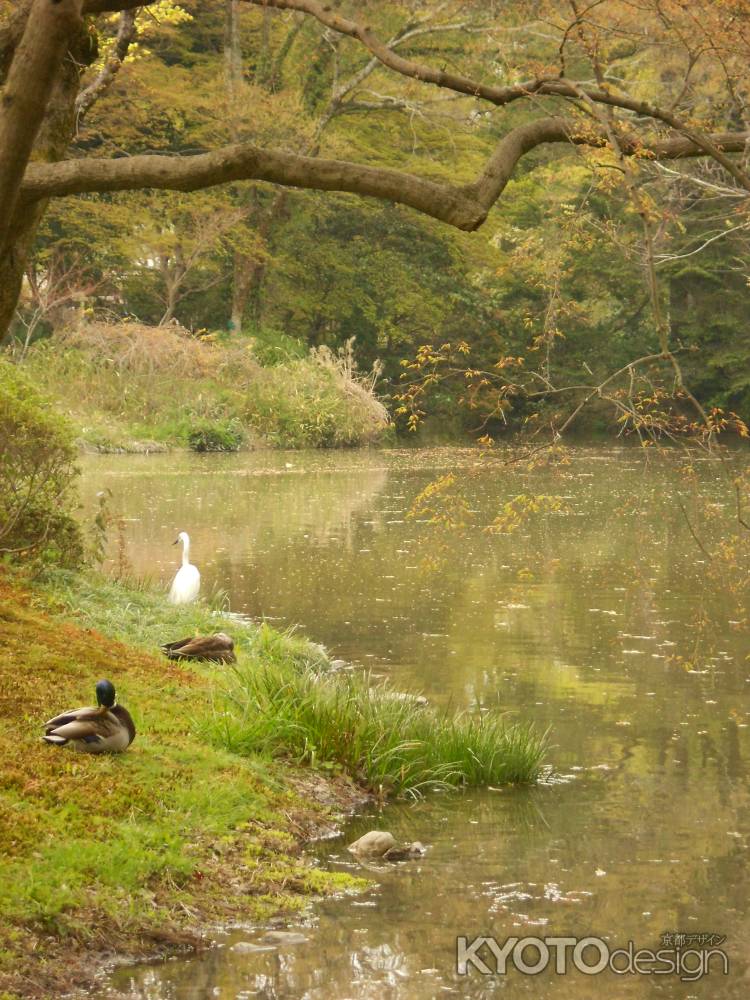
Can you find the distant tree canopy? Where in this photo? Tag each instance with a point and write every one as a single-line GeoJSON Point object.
{"type": "Point", "coordinates": [601, 146]}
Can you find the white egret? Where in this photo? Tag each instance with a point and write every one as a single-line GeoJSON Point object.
{"type": "Point", "coordinates": [187, 581]}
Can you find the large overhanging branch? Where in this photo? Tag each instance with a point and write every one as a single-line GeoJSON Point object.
{"type": "Point", "coordinates": [499, 96]}
{"type": "Point", "coordinates": [248, 162]}
{"type": "Point", "coordinates": [465, 207]}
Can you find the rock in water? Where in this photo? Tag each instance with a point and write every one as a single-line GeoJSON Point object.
{"type": "Point", "coordinates": [249, 947]}
{"type": "Point", "coordinates": [285, 937]}
{"type": "Point", "coordinates": [405, 852]}
{"type": "Point", "coordinates": [373, 844]}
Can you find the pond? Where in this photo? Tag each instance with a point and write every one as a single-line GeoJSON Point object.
{"type": "Point", "coordinates": [601, 620]}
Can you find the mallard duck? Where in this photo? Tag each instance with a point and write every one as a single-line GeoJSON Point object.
{"type": "Point", "coordinates": [187, 582]}
{"type": "Point", "coordinates": [218, 647]}
{"type": "Point", "coordinates": [108, 728]}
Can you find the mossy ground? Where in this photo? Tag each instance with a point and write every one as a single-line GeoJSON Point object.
{"type": "Point", "coordinates": [137, 853]}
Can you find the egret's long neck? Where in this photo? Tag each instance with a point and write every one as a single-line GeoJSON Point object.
{"type": "Point", "coordinates": [185, 551]}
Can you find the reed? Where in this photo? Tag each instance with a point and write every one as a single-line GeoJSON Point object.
{"type": "Point", "coordinates": [383, 738]}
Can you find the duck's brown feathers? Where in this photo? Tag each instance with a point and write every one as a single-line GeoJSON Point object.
{"type": "Point", "coordinates": [218, 648]}
{"type": "Point", "coordinates": [91, 730]}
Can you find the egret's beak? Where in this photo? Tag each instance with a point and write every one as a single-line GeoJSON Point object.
{"type": "Point", "coordinates": [176, 541]}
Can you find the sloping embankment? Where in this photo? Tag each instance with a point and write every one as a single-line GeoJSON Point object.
{"type": "Point", "coordinates": [136, 854]}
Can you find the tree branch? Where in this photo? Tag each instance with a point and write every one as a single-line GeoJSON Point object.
{"type": "Point", "coordinates": [465, 207]}
{"type": "Point", "coordinates": [499, 96]}
{"type": "Point", "coordinates": [247, 162]}
{"type": "Point", "coordinates": [126, 32]}
{"type": "Point", "coordinates": [406, 67]}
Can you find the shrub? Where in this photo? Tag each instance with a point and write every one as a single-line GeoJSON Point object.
{"type": "Point", "coordinates": [216, 435]}
{"type": "Point", "coordinates": [37, 475]}
{"type": "Point", "coordinates": [273, 347]}
{"type": "Point", "coordinates": [320, 401]}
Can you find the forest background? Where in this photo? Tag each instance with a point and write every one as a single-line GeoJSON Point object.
{"type": "Point", "coordinates": [557, 279]}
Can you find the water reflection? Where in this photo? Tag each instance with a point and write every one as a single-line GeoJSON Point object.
{"type": "Point", "coordinates": [577, 620]}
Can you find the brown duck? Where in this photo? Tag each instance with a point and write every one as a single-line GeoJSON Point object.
{"type": "Point", "coordinates": [218, 648]}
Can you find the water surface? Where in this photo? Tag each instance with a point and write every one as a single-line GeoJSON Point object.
{"type": "Point", "coordinates": [602, 621]}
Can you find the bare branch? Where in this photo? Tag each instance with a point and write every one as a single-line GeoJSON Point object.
{"type": "Point", "coordinates": [549, 86]}
{"type": "Point", "coordinates": [126, 32]}
{"type": "Point", "coordinates": [665, 258]}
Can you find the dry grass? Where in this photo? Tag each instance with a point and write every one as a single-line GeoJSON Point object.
{"type": "Point", "coordinates": [144, 350]}
{"type": "Point", "coordinates": [359, 386]}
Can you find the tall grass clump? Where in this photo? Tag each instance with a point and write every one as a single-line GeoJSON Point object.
{"type": "Point", "coordinates": [320, 401]}
{"type": "Point", "coordinates": [384, 739]}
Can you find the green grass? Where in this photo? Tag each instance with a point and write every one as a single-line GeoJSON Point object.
{"type": "Point", "coordinates": [139, 851]}
{"type": "Point", "coordinates": [199, 821]}
{"type": "Point", "coordinates": [385, 740]}
{"type": "Point", "coordinates": [281, 700]}
{"type": "Point", "coordinates": [134, 611]}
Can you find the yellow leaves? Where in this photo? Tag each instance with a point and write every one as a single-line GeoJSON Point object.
{"type": "Point", "coordinates": [521, 508]}
{"type": "Point", "coordinates": [436, 488]}
{"type": "Point", "coordinates": [149, 21]}
{"type": "Point", "coordinates": [738, 425]}
{"type": "Point", "coordinates": [440, 506]}
{"type": "Point", "coordinates": [509, 361]}
{"type": "Point", "coordinates": [163, 12]}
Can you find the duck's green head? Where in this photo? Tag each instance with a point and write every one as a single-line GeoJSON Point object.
{"type": "Point", "coordinates": [105, 694]}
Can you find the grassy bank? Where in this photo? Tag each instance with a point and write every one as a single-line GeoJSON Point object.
{"type": "Point", "coordinates": [133, 387]}
{"type": "Point", "coordinates": [137, 853]}
{"type": "Point", "coordinates": [201, 820]}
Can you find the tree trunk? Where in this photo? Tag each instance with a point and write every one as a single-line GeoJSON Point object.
{"type": "Point", "coordinates": [14, 259]}
{"type": "Point", "coordinates": [232, 61]}
{"type": "Point", "coordinates": [233, 80]}
{"type": "Point", "coordinates": [173, 273]}
{"type": "Point", "coordinates": [37, 121]}
{"type": "Point", "coordinates": [241, 285]}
